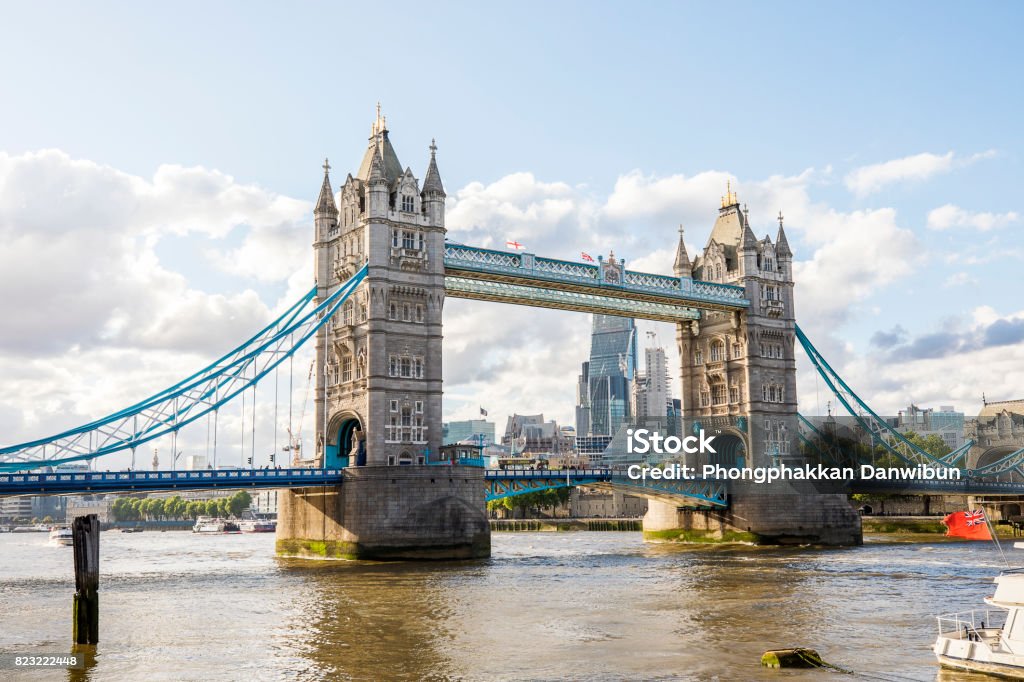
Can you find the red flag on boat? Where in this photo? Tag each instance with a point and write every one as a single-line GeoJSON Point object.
{"type": "Point", "coordinates": [967, 524]}
{"type": "Point", "coordinates": [586, 256]}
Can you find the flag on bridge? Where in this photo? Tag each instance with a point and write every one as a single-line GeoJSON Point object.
{"type": "Point", "coordinates": [967, 524]}
{"type": "Point", "coordinates": [586, 256]}
{"type": "Point", "coordinates": [513, 244]}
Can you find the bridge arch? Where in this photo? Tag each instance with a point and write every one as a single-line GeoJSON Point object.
{"type": "Point", "coordinates": [991, 455]}
{"type": "Point", "coordinates": [346, 442]}
{"type": "Point", "coordinates": [730, 449]}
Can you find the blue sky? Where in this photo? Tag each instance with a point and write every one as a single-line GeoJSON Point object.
{"type": "Point", "coordinates": [608, 120]}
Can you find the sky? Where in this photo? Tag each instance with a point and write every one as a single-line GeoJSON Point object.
{"type": "Point", "coordinates": [159, 163]}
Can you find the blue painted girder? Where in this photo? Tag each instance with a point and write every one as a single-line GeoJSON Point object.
{"type": "Point", "coordinates": [163, 481]}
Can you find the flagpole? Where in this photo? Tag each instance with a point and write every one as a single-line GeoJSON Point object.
{"type": "Point", "coordinates": [995, 538]}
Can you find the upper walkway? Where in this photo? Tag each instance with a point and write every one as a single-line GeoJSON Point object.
{"type": "Point", "coordinates": [524, 278]}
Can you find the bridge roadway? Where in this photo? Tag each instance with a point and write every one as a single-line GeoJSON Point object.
{"type": "Point", "coordinates": [967, 486]}
{"type": "Point", "coordinates": [499, 482]}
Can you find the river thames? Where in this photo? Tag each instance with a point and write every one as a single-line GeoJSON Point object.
{"type": "Point", "coordinates": [580, 606]}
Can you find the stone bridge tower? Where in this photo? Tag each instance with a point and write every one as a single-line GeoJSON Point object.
{"type": "Point", "coordinates": [738, 376]}
{"type": "Point", "coordinates": [378, 368]}
{"type": "Point", "coordinates": [738, 369]}
{"type": "Point", "coordinates": [378, 362]}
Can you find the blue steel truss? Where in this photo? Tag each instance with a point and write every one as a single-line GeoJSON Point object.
{"type": "Point", "coordinates": [698, 493]}
{"type": "Point", "coordinates": [190, 399]}
{"type": "Point", "coordinates": [533, 274]}
{"type": "Point", "coordinates": [164, 481]}
{"type": "Point", "coordinates": [562, 299]}
{"type": "Point", "coordinates": [884, 434]}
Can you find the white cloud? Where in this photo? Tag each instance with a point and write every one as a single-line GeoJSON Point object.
{"type": "Point", "coordinates": [105, 322]}
{"type": "Point", "coordinates": [79, 265]}
{"type": "Point", "coordinates": [95, 320]}
{"type": "Point", "coordinates": [949, 216]}
{"type": "Point", "coordinates": [952, 364]}
{"type": "Point", "coordinates": [866, 180]}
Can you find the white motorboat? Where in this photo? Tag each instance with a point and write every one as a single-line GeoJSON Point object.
{"type": "Point", "coordinates": [257, 525]}
{"type": "Point", "coordinates": [209, 524]}
{"type": "Point", "coordinates": [987, 640]}
{"type": "Point", "coordinates": [61, 535]}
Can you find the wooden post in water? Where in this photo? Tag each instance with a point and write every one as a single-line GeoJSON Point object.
{"type": "Point", "coordinates": [86, 610]}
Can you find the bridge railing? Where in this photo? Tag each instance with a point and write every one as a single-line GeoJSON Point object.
{"type": "Point", "coordinates": [160, 480]}
{"type": "Point", "coordinates": [529, 266]}
{"type": "Point", "coordinates": [547, 473]}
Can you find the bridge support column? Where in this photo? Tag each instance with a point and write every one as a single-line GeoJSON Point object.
{"type": "Point", "coordinates": [784, 518]}
{"type": "Point", "coordinates": [388, 513]}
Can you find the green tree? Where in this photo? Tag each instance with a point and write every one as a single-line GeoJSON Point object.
{"type": "Point", "coordinates": [932, 444]}
{"type": "Point", "coordinates": [47, 519]}
{"type": "Point", "coordinates": [157, 510]}
{"type": "Point", "coordinates": [239, 502]}
{"type": "Point", "coordinates": [210, 507]}
{"type": "Point", "coordinates": [173, 507]}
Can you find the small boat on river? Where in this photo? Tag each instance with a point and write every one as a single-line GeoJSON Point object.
{"type": "Point", "coordinates": [61, 536]}
{"type": "Point", "coordinates": [991, 640]}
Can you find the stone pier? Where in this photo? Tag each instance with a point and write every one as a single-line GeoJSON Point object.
{"type": "Point", "coordinates": [388, 513]}
{"type": "Point", "coordinates": [763, 517]}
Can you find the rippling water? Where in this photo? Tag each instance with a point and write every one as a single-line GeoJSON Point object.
{"type": "Point", "coordinates": [582, 606]}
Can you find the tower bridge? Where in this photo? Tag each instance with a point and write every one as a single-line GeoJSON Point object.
{"type": "Point", "coordinates": [383, 269]}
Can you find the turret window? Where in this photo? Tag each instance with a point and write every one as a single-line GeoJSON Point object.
{"type": "Point", "coordinates": [718, 394]}
{"type": "Point", "coordinates": [717, 351]}
{"type": "Point", "coordinates": [408, 240]}
{"type": "Point", "coordinates": [408, 203]}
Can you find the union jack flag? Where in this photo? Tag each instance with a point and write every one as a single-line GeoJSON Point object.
{"type": "Point", "coordinates": [974, 518]}
{"type": "Point", "coordinates": [586, 256]}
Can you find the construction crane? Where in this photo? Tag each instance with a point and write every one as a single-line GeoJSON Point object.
{"type": "Point", "coordinates": [295, 439]}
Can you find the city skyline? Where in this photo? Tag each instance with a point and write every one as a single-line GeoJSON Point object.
{"type": "Point", "coordinates": [144, 239]}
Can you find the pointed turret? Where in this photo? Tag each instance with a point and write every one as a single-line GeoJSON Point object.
{"type": "Point", "coordinates": [432, 181]}
{"type": "Point", "coordinates": [325, 203]}
{"type": "Point", "coordinates": [377, 186]}
{"type": "Point", "coordinates": [433, 191]}
{"type": "Point", "coordinates": [749, 241]}
{"type": "Point", "coordinates": [681, 267]}
{"type": "Point", "coordinates": [376, 174]}
{"type": "Point", "coordinates": [325, 215]}
{"type": "Point", "coordinates": [782, 249]}
{"type": "Point", "coordinates": [379, 143]}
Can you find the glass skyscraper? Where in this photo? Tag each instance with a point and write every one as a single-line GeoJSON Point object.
{"type": "Point", "coordinates": [610, 373]}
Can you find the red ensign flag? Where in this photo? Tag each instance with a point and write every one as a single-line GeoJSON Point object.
{"type": "Point", "coordinates": [967, 524]}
